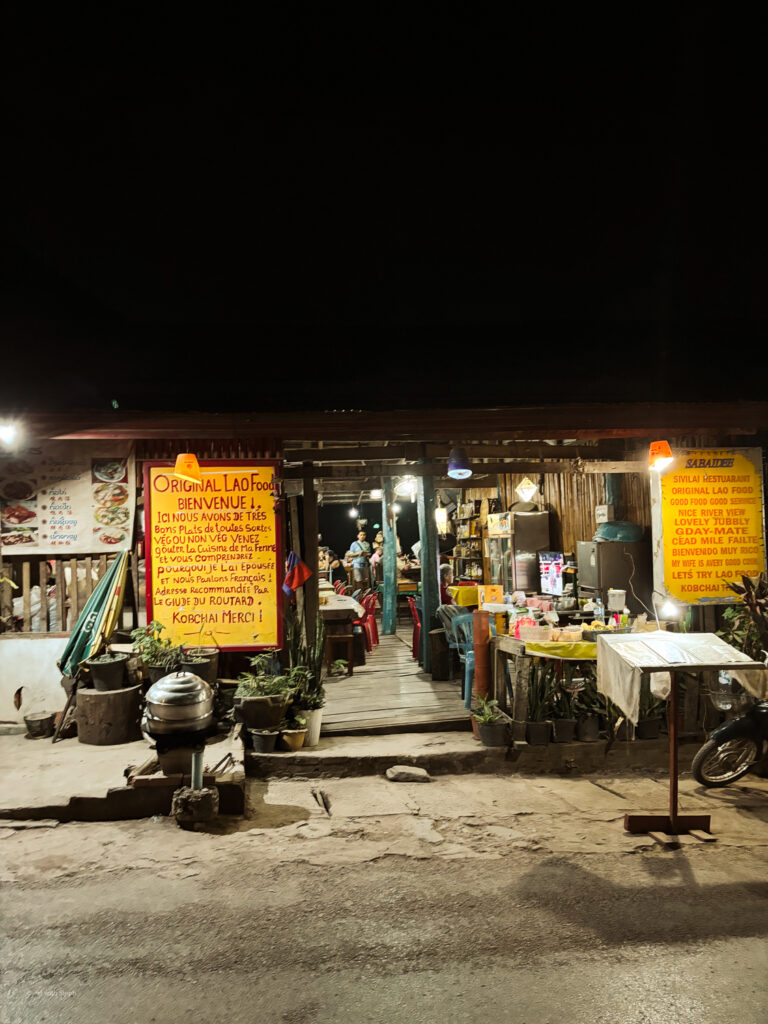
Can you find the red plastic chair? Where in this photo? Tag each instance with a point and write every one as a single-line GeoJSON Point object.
{"type": "Point", "coordinates": [370, 616]}
{"type": "Point", "coordinates": [337, 586]}
{"type": "Point", "coordinates": [416, 627]}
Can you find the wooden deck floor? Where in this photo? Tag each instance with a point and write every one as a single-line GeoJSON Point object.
{"type": "Point", "coordinates": [390, 691]}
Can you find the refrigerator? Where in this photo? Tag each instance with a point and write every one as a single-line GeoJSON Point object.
{"type": "Point", "coordinates": [514, 542]}
{"type": "Point", "coordinates": [603, 564]}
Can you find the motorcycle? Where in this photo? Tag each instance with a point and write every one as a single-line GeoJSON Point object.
{"type": "Point", "coordinates": [733, 748]}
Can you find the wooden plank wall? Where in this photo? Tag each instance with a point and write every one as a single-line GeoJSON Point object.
{"type": "Point", "coordinates": [48, 574]}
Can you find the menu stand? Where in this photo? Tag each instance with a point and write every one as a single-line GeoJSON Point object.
{"type": "Point", "coordinates": [664, 828]}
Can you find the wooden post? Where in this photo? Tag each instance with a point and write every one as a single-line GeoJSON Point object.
{"type": "Point", "coordinates": [26, 583]}
{"type": "Point", "coordinates": [74, 604]}
{"type": "Point", "coordinates": [673, 753]}
{"type": "Point", "coordinates": [311, 530]}
{"type": "Point", "coordinates": [522, 675]}
{"type": "Point", "coordinates": [430, 590]}
{"type": "Point", "coordinates": [389, 607]}
{"type": "Point", "coordinates": [294, 542]}
{"type": "Point", "coordinates": [6, 599]}
{"type": "Point", "coordinates": [43, 595]}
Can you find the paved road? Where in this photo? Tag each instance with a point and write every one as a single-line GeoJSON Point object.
{"type": "Point", "coordinates": [468, 899]}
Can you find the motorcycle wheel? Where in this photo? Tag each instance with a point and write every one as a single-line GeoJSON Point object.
{"type": "Point", "coordinates": [719, 764]}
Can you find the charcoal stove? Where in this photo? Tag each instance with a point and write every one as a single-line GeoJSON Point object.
{"type": "Point", "coordinates": [178, 718]}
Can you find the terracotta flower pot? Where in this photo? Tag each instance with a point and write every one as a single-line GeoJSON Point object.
{"type": "Point", "coordinates": [293, 739]}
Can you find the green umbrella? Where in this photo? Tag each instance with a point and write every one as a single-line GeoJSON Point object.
{"type": "Point", "coordinates": [98, 617]}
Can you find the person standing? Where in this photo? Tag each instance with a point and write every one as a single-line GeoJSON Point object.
{"type": "Point", "coordinates": [360, 550]}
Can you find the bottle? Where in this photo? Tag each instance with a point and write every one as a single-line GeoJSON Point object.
{"type": "Point", "coordinates": [599, 612]}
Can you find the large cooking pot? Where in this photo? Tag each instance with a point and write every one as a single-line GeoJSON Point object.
{"type": "Point", "coordinates": [179, 702]}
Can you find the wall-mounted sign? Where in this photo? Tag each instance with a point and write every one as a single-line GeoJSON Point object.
{"type": "Point", "coordinates": [708, 523]}
{"type": "Point", "coordinates": [213, 555]}
{"type": "Point", "coordinates": [63, 498]}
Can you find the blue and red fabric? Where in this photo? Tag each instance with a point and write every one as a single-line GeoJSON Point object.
{"type": "Point", "coordinates": [296, 574]}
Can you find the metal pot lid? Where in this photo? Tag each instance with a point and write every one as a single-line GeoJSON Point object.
{"type": "Point", "coordinates": [179, 688]}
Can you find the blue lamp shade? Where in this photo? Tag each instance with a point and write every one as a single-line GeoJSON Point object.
{"type": "Point", "coordinates": [458, 465]}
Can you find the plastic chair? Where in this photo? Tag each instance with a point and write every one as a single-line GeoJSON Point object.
{"type": "Point", "coordinates": [416, 639]}
{"type": "Point", "coordinates": [364, 624]}
{"type": "Point", "coordinates": [370, 609]}
{"type": "Point", "coordinates": [337, 586]}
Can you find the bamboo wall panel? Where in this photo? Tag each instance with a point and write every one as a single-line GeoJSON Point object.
{"type": "Point", "coordinates": [571, 499]}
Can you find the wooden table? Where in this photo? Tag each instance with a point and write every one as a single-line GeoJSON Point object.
{"type": "Point", "coordinates": [504, 648]}
{"type": "Point", "coordinates": [338, 614]}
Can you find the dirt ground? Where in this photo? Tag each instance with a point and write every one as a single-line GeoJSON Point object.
{"type": "Point", "coordinates": [469, 898]}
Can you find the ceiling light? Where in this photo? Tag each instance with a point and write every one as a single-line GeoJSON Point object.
{"type": "Point", "coordinates": [7, 433]}
{"type": "Point", "coordinates": [354, 513]}
{"type": "Point", "coordinates": [395, 508]}
{"type": "Point", "coordinates": [659, 455]}
{"type": "Point", "coordinates": [458, 464]}
{"type": "Point", "coordinates": [376, 492]}
{"type": "Point", "coordinates": [526, 489]}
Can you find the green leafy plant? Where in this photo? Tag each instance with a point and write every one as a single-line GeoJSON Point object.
{"type": "Point", "coordinates": [293, 721]}
{"type": "Point", "coordinates": [541, 685]}
{"type": "Point", "coordinates": [170, 658]}
{"type": "Point", "coordinates": [250, 684]}
{"type": "Point", "coordinates": [107, 656]}
{"type": "Point", "coordinates": [745, 624]}
{"type": "Point", "coordinates": [148, 644]}
{"type": "Point", "coordinates": [485, 711]}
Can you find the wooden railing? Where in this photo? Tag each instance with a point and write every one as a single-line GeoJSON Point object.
{"type": "Point", "coordinates": [57, 604]}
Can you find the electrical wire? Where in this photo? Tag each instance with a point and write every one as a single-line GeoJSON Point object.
{"type": "Point", "coordinates": [634, 594]}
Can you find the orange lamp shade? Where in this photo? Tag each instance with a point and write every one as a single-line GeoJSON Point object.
{"type": "Point", "coordinates": [659, 455]}
{"type": "Point", "coordinates": [188, 468]}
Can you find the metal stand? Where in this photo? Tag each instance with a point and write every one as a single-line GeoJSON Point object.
{"type": "Point", "coordinates": [663, 827]}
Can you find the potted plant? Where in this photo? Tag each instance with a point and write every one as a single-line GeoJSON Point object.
{"type": "Point", "coordinates": [588, 706]}
{"type": "Point", "coordinates": [199, 664]}
{"type": "Point", "coordinates": [261, 696]}
{"type": "Point", "coordinates": [651, 713]}
{"type": "Point", "coordinates": [293, 731]}
{"type": "Point", "coordinates": [564, 712]}
{"type": "Point", "coordinates": [305, 673]}
{"type": "Point", "coordinates": [108, 669]}
{"type": "Point", "coordinates": [539, 727]}
{"type": "Point", "coordinates": [210, 652]}
{"type": "Point", "coordinates": [150, 647]}
{"type": "Point", "coordinates": [491, 726]}
{"type": "Point", "coordinates": [263, 740]}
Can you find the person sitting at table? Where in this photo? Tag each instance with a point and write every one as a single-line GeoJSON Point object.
{"type": "Point", "coordinates": [446, 579]}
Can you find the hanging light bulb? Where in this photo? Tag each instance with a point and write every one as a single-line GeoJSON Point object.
{"type": "Point", "coordinates": [354, 513]}
{"type": "Point", "coordinates": [659, 455]}
{"type": "Point", "coordinates": [395, 508]}
{"type": "Point", "coordinates": [459, 467]}
{"type": "Point", "coordinates": [188, 468]}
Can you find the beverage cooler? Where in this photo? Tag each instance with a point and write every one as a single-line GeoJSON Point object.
{"type": "Point", "coordinates": [514, 542]}
{"type": "Point", "coordinates": [606, 564]}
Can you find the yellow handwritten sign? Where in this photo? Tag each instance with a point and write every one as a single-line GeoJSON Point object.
{"type": "Point", "coordinates": [213, 555]}
{"type": "Point", "coordinates": [712, 522]}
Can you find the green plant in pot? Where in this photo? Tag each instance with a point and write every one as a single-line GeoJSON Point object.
{"type": "Point", "coordinates": [107, 669]}
{"type": "Point", "coordinates": [306, 658]}
{"type": "Point", "coordinates": [589, 705]}
{"type": "Point", "coordinates": [491, 725]}
{"type": "Point", "coordinates": [262, 695]}
{"type": "Point", "coordinates": [293, 730]}
{"type": "Point", "coordinates": [563, 711]}
{"type": "Point", "coordinates": [540, 701]}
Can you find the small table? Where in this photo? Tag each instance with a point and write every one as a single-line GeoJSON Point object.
{"type": "Point", "coordinates": [339, 612]}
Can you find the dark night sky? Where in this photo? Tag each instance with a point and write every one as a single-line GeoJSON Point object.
{"type": "Point", "coordinates": [336, 207]}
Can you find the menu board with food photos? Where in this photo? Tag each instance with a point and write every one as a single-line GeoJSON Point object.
{"type": "Point", "coordinates": [61, 497]}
